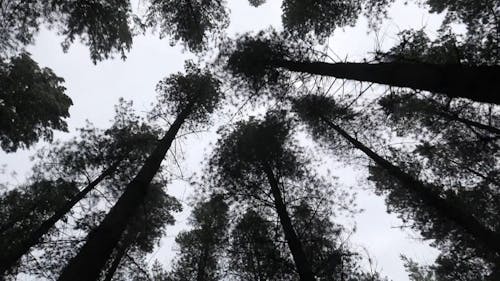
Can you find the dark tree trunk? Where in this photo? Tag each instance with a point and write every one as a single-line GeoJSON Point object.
{"type": "Point", "coordinates": [477, 83]}
{"type": "Point", "coordinates": [452, 211]}
{"type": "Point", "coordinates": [120, 252]}
{"type": "Point", "coordinates": [301, 262]}
{"type": "Point", "coordinates": [100, 242]}
{"type": "Point", "coordinates": [10, 259]}
{"type": "Point", "coordinates": [470, 123]}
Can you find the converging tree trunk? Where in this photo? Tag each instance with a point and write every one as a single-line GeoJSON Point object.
{"type": "Point", "coordinates": [477, 83]}
{"type": "Point", "coordinates": [303, 266]}
{"type": "Point", "coordinates": [120, 253]}
{"type": "Point", "coordinates": [11, 258]}
{"type": "Point", "coordinates": [92, 257]}
{"type": "Point", "coordinates": [470, 123]}
{"type": "Point", "coordinates": [452, 211]}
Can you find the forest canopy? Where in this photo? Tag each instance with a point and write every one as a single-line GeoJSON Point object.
{"type": "Point", "coordinates": [289, 140]}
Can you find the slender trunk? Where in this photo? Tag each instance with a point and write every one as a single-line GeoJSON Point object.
{"type": "Point", "coordinates": [303, 267]}
{"type": "Point", "coordinates": [455, 212]}
{"type": "Point", "coordinates": [468, 122]}
{"type": "Point", "coordinates": [121, 251]}
{"type": "Point", "coordinates": [8, 260]}
{"type": "Point", "coordinates": [91, 258]}
{"type": "Point", "coordinates": [478, 83]}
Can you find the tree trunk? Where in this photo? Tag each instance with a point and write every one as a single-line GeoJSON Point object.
{"type": "Point", "coordinates": [301, 262]}
{"type": "Point", "coordinates": [455, 212]}
{"type": "Point", "coordinates": [8, 260]}
{"type": "Point", "coordinates": [470, 123]}
{"type": "Point", "coordinates": [477, 83]}
{"type": "Point", "coordinates": [122, 249]}
{"type": "Point", "coordinates": [92, 257]}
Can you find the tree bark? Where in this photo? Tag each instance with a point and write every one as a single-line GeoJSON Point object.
{"type": "Point", "coordinates": [477, 83]}
{"type": "Point", "coordinates": [454, 212]}
{"type": "Point", "coordinates": [92, 257]}
{"type": "Point", "coordinates": [8, 260]}
{"type": "Point", "coordinates": [301, 262]}
{"type": "Point", "coordinates": [122, 249]}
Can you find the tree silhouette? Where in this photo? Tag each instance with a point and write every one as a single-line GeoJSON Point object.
{"type": "Point", "coordinates": [192, 97]}
{"type": "Point", "coordinates": [302, 17]}
{"type": "Point", "coordinates": [22, 210]}
{"type": "Point", "coordinates": [111, 155]}
{"type": "Point", "coordinates": [438, 213]}
{"type": "Point", "coordinates": [33, 103]}
{"type": "Point", "coordinates": [254, 253]}
{"type": "Point", "coordinates": [477, 83]}
{"type": "Point", "coordinates": [143, 233]}
{"type": "Point", "coordinates": [255, 162]}
{"type": "Point", "coordinates": [190, 21]}
{"type": "Point", "coordinates": [101, 25]}
{"type": "Point", "coordinates": [201, 247]}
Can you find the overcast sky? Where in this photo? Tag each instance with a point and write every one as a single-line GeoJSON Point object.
{"type": "Point", "coordinates": [95, 89]}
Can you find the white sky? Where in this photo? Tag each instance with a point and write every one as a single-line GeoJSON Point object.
{"type": "Point", "coordinates": [95, 89]}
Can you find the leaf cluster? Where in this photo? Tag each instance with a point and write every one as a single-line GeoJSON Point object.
{"type": "Point", "coordinates": [33, 103]}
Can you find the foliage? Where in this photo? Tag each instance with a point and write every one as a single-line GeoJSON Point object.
{"type": "Point", "coordinates": [24, 208]}
{"type": "Point", "coordinates": [450, 239]}
{"type": "Point", "coordinates": [320, 17]}
{"type": "Point", "coordinates": [249, 61]}
{"type": "Point", "coordinates": [198, 88]}
{"type": "Point", "coordinates": [101, 25]}
{"type": "Point", "coordinates": [127, 142]}
{"type": "Point", "coordinates": [322, 243]}
{"type": "Point", "coordinates": [448, 48]}
{"type": "Point", "coordinates": [32, 103]}
{"type": "Point", "coordinates": [200, 247]}
{"type": "Point", "coordinates": [145, 231]}
{"type": "Point", "coordinates": [417, 272]}
{"type": "Point", "coordinates": [461, 153]}
{"type": "Point", "coordinates": [20, 22]}
{"type": "Point", "coordinates": [191, 21]}
{"type": "Point", "coordinates": [482, 19]}
{"type": "Point", "coordinates": [254, 253]}
{"type": "Point", "coordinates": [237, 162]}
{"type": "Point", "coordinates": [256, 3]}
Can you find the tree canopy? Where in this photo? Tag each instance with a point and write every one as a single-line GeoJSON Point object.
{"type": "Point", "coordinates": [290, 134]}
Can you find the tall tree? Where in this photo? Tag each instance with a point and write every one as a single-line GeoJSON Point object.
{"type": "Point", "coordinates": [109, 154]}
{"type": "Point", "coordinates": [201, 247]}
{"type": "Point", "coordinates": [21, 211]}
{"type": "Point", "coordinates": [458, 148]}
{"type": "Point", "coordinates": [254, 253]}
{"type": "Point", "coordinates": [330, 258]}
{"type": "Point", "coordinates": [258, 161]}
{"type": "Point", "coordinates": [260, 57]}
{"type": "Point", "coordinates": [33, 103]}
{"type": "Point", "coordinates": [142, 235]}
{"type": "Point", "coordinates": [438, 213]}
{"type": "Point", "coordinates": [191, 97]}
{"type": "Point", "coordinates": [457, 138]}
